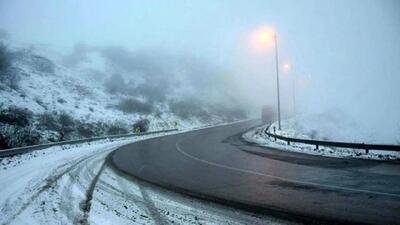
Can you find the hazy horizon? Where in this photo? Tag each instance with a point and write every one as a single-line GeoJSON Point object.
{"type": "Point", "coordinates": [345, 54]}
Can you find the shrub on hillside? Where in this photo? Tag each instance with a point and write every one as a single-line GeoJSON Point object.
{"type": "Point", "coordinates": [5, 59]}
{"type": "Point", "coordinates": [63, 124]}
{"type": "Point", "coordinates": [15, 116]}
{"type": "Point", "coordinates": [141, 126]}
{"type": "Point", "coordinates": [116, 128]}
{"type": "Point", "coordinates": [67, 125]}
{"type": "Point", "coordinates": [27, 136]}
{"type": "Point", "coordinates": [61, 100]}
{"type": "Point", "coordinates": [3, 142]}
{"type": "Point", "coordinates": [15, 136]}
{"type": "Point", "coordinates": [86, 130]}
{"type": "Point", "coordinates": [49, 121]}
{"type": "Point", "coordinates": [101, 128]}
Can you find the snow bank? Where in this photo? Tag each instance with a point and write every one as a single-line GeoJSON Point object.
{"type": "Point", "coordinates": [289, 129]}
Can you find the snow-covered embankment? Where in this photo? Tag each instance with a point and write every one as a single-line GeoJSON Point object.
{"type": "Point", "coordinates": [289, 129]}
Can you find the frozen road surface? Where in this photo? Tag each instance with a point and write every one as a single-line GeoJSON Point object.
{"type": "Point", "coordinates": [75, 185]}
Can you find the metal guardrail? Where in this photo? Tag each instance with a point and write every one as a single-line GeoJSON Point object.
{"type": "Point", "coordinates": [318, 143]}
{"type": "Point", "coordinates": [26, 149]}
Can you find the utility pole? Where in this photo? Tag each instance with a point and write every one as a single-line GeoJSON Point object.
{"type": "Point", "coordinates": [277, 80]}
{"type": "Point", "coordinates": [294, 93]}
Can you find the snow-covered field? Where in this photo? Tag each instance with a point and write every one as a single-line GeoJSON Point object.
{"type": "Point", "coordinates": [72, 184]}
{"type": "Point", "coordinates": [290, 129]}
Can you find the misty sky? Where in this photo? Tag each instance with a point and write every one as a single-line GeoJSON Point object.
{"type": "Point", "coordinates": [345, 53]}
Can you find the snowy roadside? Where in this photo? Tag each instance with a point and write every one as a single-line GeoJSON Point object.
{"type": "Point", "coordinates": [31, 179]}
{"type": "Point", "coordinates": [259, 137]}
{"type": "Point", "coordinates": [73, 184]}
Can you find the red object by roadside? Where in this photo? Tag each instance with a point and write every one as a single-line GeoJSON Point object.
{"type": "Point", "coordinates": [267, 114]}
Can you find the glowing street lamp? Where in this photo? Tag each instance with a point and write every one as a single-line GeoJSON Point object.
{"type": "Point", "coordinates": [287, 67]}
{"type": "Point", "coordinates": [261, 40]}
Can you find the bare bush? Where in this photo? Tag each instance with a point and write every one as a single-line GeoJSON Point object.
{"type": "Point", "coordinates": [4, 143]}
{"type": "Point", "coordinates": [15, 116]}
{"type": "Point", "coordinates": [15, 136]}
{"type": "Point", "coordinates": [49, 121]}
{"type": "Point", "coordinates": [116, 128]}
{"type": "Point", "coordinates": [67, 125]}
{"type": "Point", "coordinates": [86, 130]}
{"type": "Point", "coordinates": [141, 126]}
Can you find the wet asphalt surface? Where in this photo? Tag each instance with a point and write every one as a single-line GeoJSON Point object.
{"type": "Point", "coordinates": [218, 165]}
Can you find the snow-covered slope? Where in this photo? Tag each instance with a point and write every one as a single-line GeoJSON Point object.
{"type": "Point", "coordinates": [71, 91]}
{"type": "Point", "coordinates": [97, 93]}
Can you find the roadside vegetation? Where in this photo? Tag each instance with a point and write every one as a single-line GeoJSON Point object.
{"type": "Point", "coordinates": [20, 127]}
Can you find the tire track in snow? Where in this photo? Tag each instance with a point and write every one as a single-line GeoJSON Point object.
{"type": "Point", "coordinates": [147, 201]}
{"type": "Point", "coordinates": [158, 218]}
{"type": "Point", "coordinates": [82, 178]}
{"type": "Point", "coordinates": [50, 181]}
{"type": "Point", "coordinates": [86, 205]}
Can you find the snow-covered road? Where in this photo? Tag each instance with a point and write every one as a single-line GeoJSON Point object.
{"type": "Point", "coordinates": [74, 185]}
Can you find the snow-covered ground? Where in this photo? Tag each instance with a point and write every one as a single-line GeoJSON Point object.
{"type": "Point", "coordinates": [46, 100]}
{"type": "Point", "coordinates": [76, 93]}
{"type": "Point", "coordinates": [292, 128]}
{"type": "Point", "coordinates": [72, 184]}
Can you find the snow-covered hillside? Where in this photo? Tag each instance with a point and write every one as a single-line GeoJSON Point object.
{"type": "Point", "coordinates": [98, 95]}
{"type": "Point", "coordinates": [57, 88]}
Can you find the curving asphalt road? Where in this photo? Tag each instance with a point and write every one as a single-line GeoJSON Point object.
{"type": "Point", "coordinates": [216, 164]}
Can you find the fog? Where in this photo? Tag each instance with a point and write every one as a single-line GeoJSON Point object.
{"type": "Point", "coordinates": [344, 55]}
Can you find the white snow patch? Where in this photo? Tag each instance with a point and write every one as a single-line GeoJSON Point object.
{"type": "Point", "coordinates": [259, 137]}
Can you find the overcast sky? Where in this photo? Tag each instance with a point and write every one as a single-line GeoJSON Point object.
{"type": "Point", "coordinates": [347, 50]}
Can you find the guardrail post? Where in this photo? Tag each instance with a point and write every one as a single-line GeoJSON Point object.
{"type": "Point", "coordinates": [288, 142]}
{"type": "Point", "coordinates": [366, 151]}
{"type": "Point", "coordinates": [317, 147]}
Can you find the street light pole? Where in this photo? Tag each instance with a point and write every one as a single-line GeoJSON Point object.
{"type": "Point", "coordinates": [277, 80]}
{"type": "Point", "coordinates": [294, 93]}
